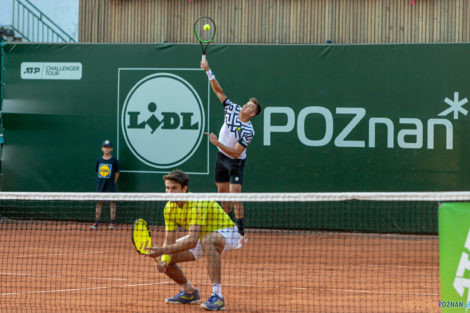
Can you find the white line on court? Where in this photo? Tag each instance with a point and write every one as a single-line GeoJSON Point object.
{"type": "Point", "coordinates": [68, 276]}
{"type": "Point", "coordinates": [79, 253]}
{"type": "Point", "coordinates": [233, 285]}
{"type": "Point", "coordinates": [78, 289]}
{"type": "Point", "coordinates": [118, 279]}
{"type": "Point", "coordinates": [150, 283]}
{"type": "Point", "coordinates": [28, 254]}
{"type": "Point", "coordinates": [402, 266]}
{"type": "Point", "coordinates": [16, 274]}
{"type": "Point", "coordinates": [236, 285]}
{"type": "Point", "coordinates": [339, 290]}
{"type": "Point", "coordinates": [381, 292]}
{"type": "Point", "coordinates": [42, 248]}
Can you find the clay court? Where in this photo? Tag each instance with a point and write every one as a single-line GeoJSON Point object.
{"type": "Point", "coordinates": [66, 267]}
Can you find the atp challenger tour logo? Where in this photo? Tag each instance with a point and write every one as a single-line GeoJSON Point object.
{"type": "Point", "coordinates": [408, 133]}
{"type": "Point", "coordinates": [162, 120]}
{"type": "Point", "coordinates": [51, 70]}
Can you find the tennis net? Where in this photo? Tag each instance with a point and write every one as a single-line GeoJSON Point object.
{"type": "Point", "coordinates": [315, 252]}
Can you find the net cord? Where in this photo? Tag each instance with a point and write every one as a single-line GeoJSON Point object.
{"type": "Point", "coordinates": [248, 197]}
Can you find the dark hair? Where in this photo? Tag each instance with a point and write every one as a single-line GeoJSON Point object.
{"type": "Point", "coordinates": [258, 106]}
{"type": "Point", "coordinates": [178, 176]}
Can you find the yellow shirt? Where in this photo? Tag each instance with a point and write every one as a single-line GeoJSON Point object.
{"type": "Point", "coordinates": [208, 214]}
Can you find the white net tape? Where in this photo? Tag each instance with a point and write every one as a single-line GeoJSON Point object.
{"type": "Point", "coordinates": [249, 197]}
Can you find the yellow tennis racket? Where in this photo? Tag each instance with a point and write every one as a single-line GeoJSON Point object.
{"type": "Point", "coordinates": [141, 236]}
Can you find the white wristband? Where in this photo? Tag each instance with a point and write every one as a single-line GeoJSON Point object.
{"type": "Point", "coordinates": [210, 75]}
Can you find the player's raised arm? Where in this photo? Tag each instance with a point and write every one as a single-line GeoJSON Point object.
{"type": "Point", "coordinates": [214, 83]}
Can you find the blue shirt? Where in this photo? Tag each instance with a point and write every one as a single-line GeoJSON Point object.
{"type": "Point", "coordinates": [106, 170]}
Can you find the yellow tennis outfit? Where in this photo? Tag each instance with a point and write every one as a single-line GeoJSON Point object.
{"type": "Point", "coordinates": [208, 214]}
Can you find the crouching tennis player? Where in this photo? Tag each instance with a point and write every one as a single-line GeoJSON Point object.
{"type": "Point", "coordinates": [211, 232]}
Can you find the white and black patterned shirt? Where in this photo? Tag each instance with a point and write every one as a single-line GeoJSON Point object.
{"type": "Point", "coordinates": [235, 131]}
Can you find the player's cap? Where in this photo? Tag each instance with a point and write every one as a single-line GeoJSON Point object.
{"type": "Point", "coordinates": [107, 143]}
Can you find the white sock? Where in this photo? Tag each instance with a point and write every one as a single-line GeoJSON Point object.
{"type": "Point", "coordinates": [217, 289]}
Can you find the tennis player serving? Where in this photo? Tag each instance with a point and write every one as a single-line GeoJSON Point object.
{"type": "Point", "coordinates": [236, 134]}
{"type": "Point", "coordinates": [211, 232]}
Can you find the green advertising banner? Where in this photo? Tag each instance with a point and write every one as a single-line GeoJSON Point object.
{"type": "Point", "coordinates": [335, 118]}
{"type": "Point", "coordinates": [454, 256]}
{"type": "Point", "coordinates": [147, 144]}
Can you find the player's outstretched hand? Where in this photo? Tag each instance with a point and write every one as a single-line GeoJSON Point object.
{"type": "Point", "coordinates": [161, 266]}
{"type": "Point", "coordinates": [155, 252]}
{"type": "Point", "coordinates": [212, 138]}
{"type": "Point", "coordinates": [204, 63]}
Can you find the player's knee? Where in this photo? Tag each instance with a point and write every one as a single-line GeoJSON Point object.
{"type": "Point", "coordinates": [213, 241]}
{"type": "Point", "coordinates": [207, 242]}
{"type": "Point", "coordinates": [223, 187]}
{"type": "Point", "coordinates": [235, 188]}
{"type": "Point", "coordinates": [237, 205]}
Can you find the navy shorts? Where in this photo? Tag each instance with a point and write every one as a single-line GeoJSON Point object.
{"type": "Point", "coordinates": [228, 170]}
{"type": "Point", "coordinates": [105, 186]}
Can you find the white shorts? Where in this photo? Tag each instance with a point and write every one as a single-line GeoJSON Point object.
{"type": "Point", "coordinates": [231, 235]}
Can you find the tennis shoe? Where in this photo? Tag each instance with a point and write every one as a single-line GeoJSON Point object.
{"type": "Point", "coordinates": [185, 298]}
{"type": "Point", "coordinates": [214, 303]}
{"type": "Point", "coordinates": [94, 226]}
{"type": "Point", "coordinates": [242, 241]}
{"type": "Point", "coordinates": [112, 226]}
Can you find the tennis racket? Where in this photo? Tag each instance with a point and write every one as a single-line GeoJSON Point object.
{"type": "Point", "coordinates": [204, 29]}
{"type": "Point", "coordinates": [141, 236]}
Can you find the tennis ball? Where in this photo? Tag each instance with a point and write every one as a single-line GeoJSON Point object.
{"type": "Point", "coordinates": [207, 27]}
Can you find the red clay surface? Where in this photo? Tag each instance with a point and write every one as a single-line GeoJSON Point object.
{"type": "Point", "coordinates": [67, 267]}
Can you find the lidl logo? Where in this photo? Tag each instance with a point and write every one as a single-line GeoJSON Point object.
{"type": "Point", "coordinates": [162, 120]}
{"type": "Point", "coordinates": [104, 170]}
{"type": "Point", "coordinates": [170, 120]}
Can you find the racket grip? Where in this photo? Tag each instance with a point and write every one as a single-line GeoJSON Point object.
{"type": "Point", "coordinates": [203, 57]}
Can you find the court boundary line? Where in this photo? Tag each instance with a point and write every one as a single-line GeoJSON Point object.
{"type": "Point", "coordinates": [79, 289]}
{"type": "Point", "coordinates": [381, 292]}
{"type": "Point", "coordinates": [228, 284]}
{"type": "Point", "coordinates": [79, 277]}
